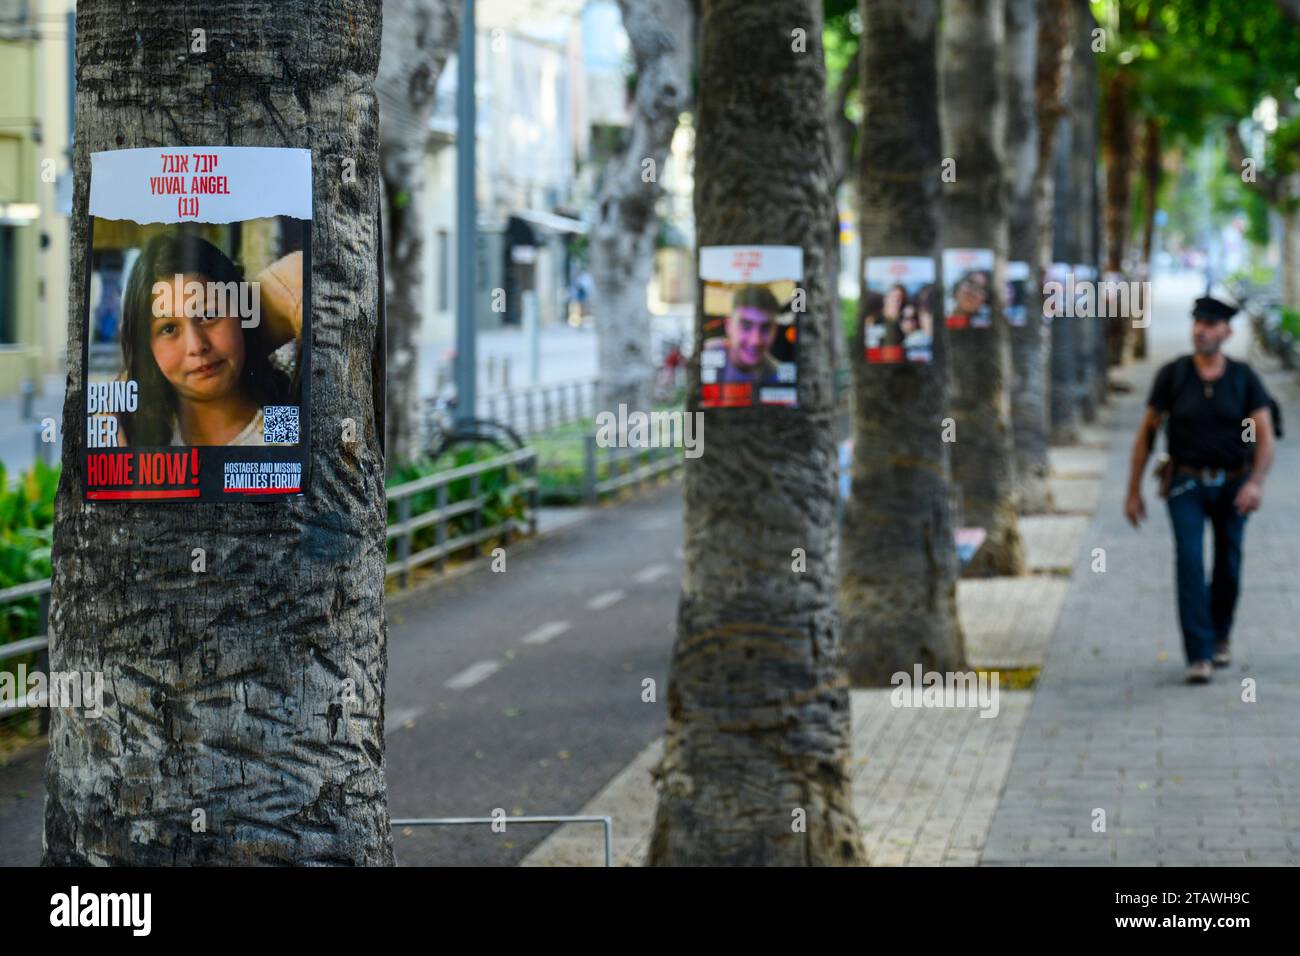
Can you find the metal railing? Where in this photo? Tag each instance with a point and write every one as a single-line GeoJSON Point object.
{"type": "Point", "coordinates": [538, 408]}
{"type": "Point", "coordinates": [522, 463]}
{"type": "Point", "coordinates": [624, 467]}
{"type": "Point", "coordinates": [39, 644]}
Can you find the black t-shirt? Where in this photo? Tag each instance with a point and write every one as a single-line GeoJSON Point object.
{"type": "Point", "coordinates": [1205, 431]}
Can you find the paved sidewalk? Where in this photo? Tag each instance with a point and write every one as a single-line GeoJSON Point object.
{"type": "Point", "coordinates": [926, 782]}
{"type": "Point", "coordinates": [1185, 775]}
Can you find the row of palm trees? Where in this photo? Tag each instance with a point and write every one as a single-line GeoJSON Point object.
{"type": "Point", "coordinates": [758, 725]}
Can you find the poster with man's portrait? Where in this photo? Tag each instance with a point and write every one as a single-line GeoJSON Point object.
{"type": "Point", "coordinates": [752, 299]}
{"type": "Point", "coordinates": [1017, 293]}
{"type": "Point", "coordinates": [197, 313]}
{"type": "Point", "coordinates": [899, 306]}
{"type": "Point", "coordinates": [968, 274]}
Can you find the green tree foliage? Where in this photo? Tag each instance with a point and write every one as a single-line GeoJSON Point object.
{"type": "Point", "coordinates": [1200, 66]}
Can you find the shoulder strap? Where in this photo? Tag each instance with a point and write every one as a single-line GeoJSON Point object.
{"type": "Point", "coordinates": [1182, 372]}
{"type": "Point", "coordinates": [1179, 375]}
{"type": "Point", "coordinates": [1240, 373]}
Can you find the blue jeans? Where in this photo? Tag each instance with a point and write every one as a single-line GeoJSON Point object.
{"type": "Point", "coordinates": [1206, 612]}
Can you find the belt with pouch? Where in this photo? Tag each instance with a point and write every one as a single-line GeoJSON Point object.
{"type": "Point", "coordinates": [1212, 476]}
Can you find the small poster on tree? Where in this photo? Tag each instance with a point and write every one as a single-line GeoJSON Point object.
{"type": "Point", "coordinates": [1058, 276]}
{"type": "Point", "coordinates": [899, 308]}
{"type": "Point", "coordinates": [968, 274]}
{"type": "Point", "coordinates": [752, 300]}
{"type": "Point", "coordinates": [195, 359]}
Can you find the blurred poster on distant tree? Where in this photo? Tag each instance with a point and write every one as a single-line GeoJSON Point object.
{"type": "Point", "coordinates": [1017, 294]}
{"type": "Point", "coordinates": [968, 274]}
{"type": "Point", "coordinates": [752, 300]}
{"type": "Point", "coordinates": [1058, 278]}
{"type": "Point", "coordinates": [901, 298]}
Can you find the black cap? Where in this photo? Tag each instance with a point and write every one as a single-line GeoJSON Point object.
{"type": "Point", "coordinates": [1212, 310]}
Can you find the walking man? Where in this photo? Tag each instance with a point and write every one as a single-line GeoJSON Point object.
{"type": "Point", "coordinates": [1219, 429]}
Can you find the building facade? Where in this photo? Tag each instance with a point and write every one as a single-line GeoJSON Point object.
{"type": "Point", "coordinates": [36, 70]}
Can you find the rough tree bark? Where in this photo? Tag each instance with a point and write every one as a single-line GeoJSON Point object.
{"type": "Point", "coordinates": [973, 117]}
{"type": "Point", "coordinates": [1056, 49]}
{"type": "Point", "coordinates": [1153, 171]}
{"type": "Point", "coordinates": [419, 36]}
{"type": "Point", "coordinates": [223, 689]}
{"type": "Point", "coordinates": [1029, 341]}
{"type": "Point", "coordinates": [843, 136]}
{"type": "Point", "coordinates": [1118, 133]}
{"type": "Point", "coordinates": [758, 708]}
{"type": "Point", "coordinates": [898, 586]}
{"type": "Point", "coordinates": [1290, 257]}
{"type": "Point", "coordinates": [662, 36]}
{"type": "Point", "coordinates": [1096, 225]}
{"type": "Point", "coordinates": [1083, 175]}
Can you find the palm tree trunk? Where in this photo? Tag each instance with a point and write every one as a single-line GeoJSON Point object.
{"type": "Point", "coordinates": [1291, 258]}
{"type": "Point", "coordinates": [1152, 174]}
{"type": "Point", "coordinates": [419, 35]}
{"type": "Point", "coordinates": [1120, 158]}
{"type": "Point", "coordinates": [1089, 338]}
{"type": "Point", "coordinates": [1054, 56]}
{"type": "Point", "coordinates": [1055, 59]}
{"type": "Point", "coordinates": [974, 124]}
{"type": "Point", "coordinates": [253, 692]}
{"type": "Point", "coordinates": [661, 33]}
{"type": "Point", "coordinates": [755, 767]}
{"type": "Point", "coordinates": [899, 575]}
{"type": "Point", "coordinates": [1029, 342]}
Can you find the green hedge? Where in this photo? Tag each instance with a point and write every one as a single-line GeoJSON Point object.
{"type": "Point", "coordinates": [26, 532]}
{"type": "Point", "coordinates": [500, 503]}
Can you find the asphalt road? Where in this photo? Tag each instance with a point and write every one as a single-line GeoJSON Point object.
{"type": "Point", "coordinates": [522, 690]}
{"type": "Point", "coordinates": [519, 690]}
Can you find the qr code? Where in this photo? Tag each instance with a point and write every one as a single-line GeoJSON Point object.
{"type": "Point", "coordinates": [280, 424]}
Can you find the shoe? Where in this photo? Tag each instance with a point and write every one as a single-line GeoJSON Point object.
{"type": "Point", "coordinates": [1200, 672]}
{"type": "Point", "coordinates": [1222, 654]}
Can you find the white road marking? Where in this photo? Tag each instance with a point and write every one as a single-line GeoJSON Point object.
{"type": "Point", "coordinates": [546, 632]}
{"type": "Point", "coordinates": [602, 601]}
{"type": "Point", "coordinates": [474, 674]}
{"type": "Point", "coordinates": [652, 573]}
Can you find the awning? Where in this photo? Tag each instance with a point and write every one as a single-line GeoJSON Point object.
{"type": "Point", "coordinates": [552, 222]}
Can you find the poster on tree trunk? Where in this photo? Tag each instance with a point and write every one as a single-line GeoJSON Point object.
{"type": "Point", "coordinates": [1058, 277]}
{"type": "Point", "coordinates": [197, 317]}
{"type": "Point", "coordinates": [1017, 293]}
{"type": "Point", "coordinates": [968, 274]}
{"type": "Point", "coordinates": [752, 300]}
{"type": "Point", "coordinates": [899, 307]}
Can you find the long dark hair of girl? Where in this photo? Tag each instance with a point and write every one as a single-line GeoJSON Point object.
{"type": "Point", "coordinates": [164, 257]}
